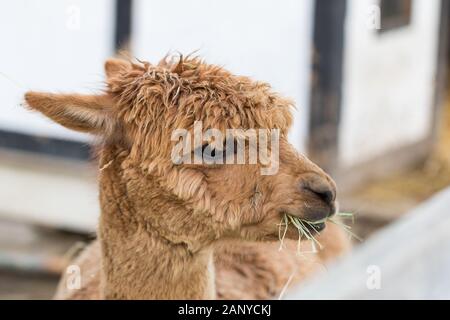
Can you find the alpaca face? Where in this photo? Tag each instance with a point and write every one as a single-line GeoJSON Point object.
{"type": "Point", "coordinates": [137, 116]}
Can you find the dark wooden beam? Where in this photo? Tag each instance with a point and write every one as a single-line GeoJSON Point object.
{"type": "Point", "coordinates": [328, 61]}
{"type": "Point", "coordinates": [123, 24]}
{"type": "Point", "coordinates": [45, 145]}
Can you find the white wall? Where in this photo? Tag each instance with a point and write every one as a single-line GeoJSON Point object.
{"type": "Point", "coordinates": [42, 49]}
{"type": "Point", "coordinates": [388, 82]}
{"type": "Point", "coordinates": [266, 39]}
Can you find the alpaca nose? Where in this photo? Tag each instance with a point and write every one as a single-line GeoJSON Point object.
{"type": "Point", "coordinates": [324, 193]}
{"type": "Point", "coordinates": [322, 187]}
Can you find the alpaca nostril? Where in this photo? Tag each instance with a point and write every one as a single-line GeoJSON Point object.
{"type": "Point", "coordinates": [321, 188]}
{"type": "Point", "coordinates": [327, 196]}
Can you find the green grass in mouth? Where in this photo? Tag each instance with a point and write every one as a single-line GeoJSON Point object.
{"type": "Point", "coordinates": [306, 229]}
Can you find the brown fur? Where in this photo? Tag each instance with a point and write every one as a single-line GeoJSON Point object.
{"type": "Point", "coordinates": [188, 231]}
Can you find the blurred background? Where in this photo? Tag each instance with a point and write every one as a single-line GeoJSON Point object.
{"type": "Point", "coordinates": [369, 78]}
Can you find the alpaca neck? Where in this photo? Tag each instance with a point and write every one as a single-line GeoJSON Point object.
{"type": "Point", "coordinates": [139, 263]}
{"type": "Point", "coordinates": [147, 267]}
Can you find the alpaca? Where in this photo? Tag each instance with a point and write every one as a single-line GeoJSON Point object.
{"type": "Point", "coordinates": [190, 231]}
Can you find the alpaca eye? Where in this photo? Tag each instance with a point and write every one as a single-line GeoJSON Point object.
{"type": "Point", "coordinates": [208, 150]}
{"type": "Point", "coordinates": [211, 150]}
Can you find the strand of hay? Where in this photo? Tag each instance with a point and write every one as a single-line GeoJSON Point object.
{"type": "Point", "coordinates": [305, 229]}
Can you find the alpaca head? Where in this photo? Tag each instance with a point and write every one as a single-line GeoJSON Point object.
{"type": "Point", "coordinates": [189, 201]}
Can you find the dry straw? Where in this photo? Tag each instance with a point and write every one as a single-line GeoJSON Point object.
{"type": "Point", "coordinates": [308, 230]}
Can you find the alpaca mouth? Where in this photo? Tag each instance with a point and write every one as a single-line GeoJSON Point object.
{"type": "Point", "coordinates": [313, 226]}
{"type": "Point", "coordinates": [309, 226]}
{"type": "Point", "coordinates": [305, 229]}
{"type": "Point", "coordinates": [316, 227]}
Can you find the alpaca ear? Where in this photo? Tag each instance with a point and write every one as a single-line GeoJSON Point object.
{"type": "Point", "coordinates": [85, 113]}
{"type": "Point", "coordinates": [115, 67]}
